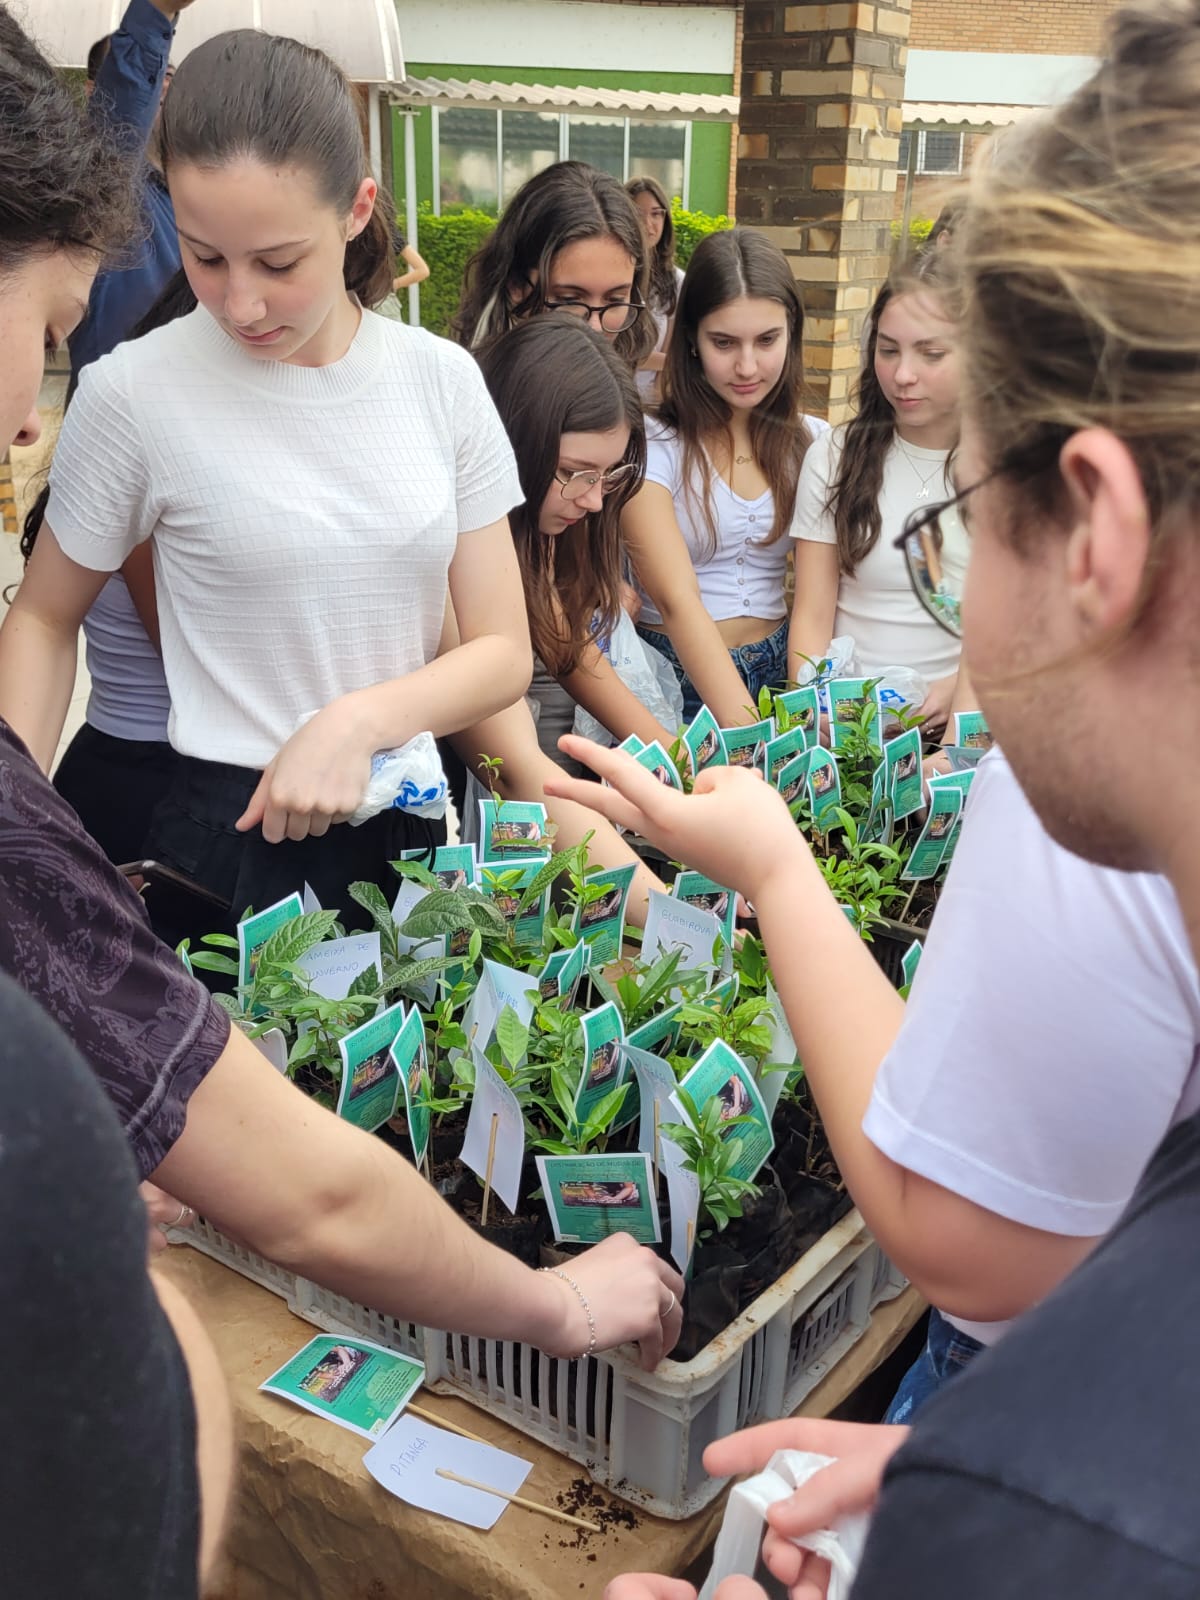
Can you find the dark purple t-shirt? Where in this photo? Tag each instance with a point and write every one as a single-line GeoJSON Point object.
{"type": "Point", "coordinates": [74, 935]}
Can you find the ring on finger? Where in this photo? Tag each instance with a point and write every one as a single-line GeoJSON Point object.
{"type": "Point", "coordinates": [184, 1211]}
{"type": "Point", "coordinates": [671, 1304]}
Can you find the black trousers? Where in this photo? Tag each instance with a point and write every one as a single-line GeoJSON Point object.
{"type": "Point", "coordinates": [114, 785]}
{"type": "Point", "coordinates": [192, 830]}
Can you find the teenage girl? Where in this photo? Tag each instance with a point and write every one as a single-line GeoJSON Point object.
{"type": "Point", "coordinates": [572, 412]}
{"type": "Point", "coordinates": [654, 213]}
{"type": "Point", "coordinates": [706, 534]}
{"type": "Point", "coordinates": [862, 482]}
{"type": "Point", "coordinates": [312, 478]}
{"type": "Point", "coordinates": [569, 240]}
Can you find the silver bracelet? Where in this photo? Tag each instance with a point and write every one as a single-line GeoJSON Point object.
{"type": "Point", "coordinates": [587, 1311]}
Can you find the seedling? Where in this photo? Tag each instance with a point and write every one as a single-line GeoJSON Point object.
{"type": "Point", "coordinates": [711, 1154]}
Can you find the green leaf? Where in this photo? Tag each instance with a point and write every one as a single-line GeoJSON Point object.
{"type": "Point", "coordinates": [512, 1035]}
{"type": "Point", "coordinates": [210, 961]}
{"type": "Point", "coordinates": [370, 897]}
{"type": "Point", "coordinates": [418, 872]}
{"type": "Point", "coordinates": [296, 938]}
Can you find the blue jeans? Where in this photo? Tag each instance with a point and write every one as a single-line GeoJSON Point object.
{"type": "Point", "coordinates": [762, 665]}
{"type": "Point", "coordinates": [947, 1351]}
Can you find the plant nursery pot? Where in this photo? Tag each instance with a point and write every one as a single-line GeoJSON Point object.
{"type": "Point", "coordinates": [732, 1268]}
{"type": "Point", "coordinates": [519, 1235]}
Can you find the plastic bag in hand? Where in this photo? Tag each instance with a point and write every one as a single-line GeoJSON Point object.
{"type": "Point", "coordinates": [740, 1539]}
{"type": "Point", "coordinates": [900, 687]}
{"type": "Point", "coordinates": [409, 778]}
{"type": "Point", "coordinates": [646, 673]}
{"type": "Point", "coordinates": [838, 662]}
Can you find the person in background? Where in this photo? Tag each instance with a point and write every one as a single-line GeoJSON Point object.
{"type": "Point", "coordinates": [571, 410]}
{"type": "Point", "coordinates": [416, 265]}
{"type": "Point", "coordinates": [706, 535]}
{"type": "Point", "coordinates": [654, 211]}
{"type": "Point", "coordinates": [120, 763]}
{"type": "Point", "coordinates": [569, 240]}
{"type": "Point", "coordinates": [860, 482]}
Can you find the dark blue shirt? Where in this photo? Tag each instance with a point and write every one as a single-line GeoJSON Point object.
{"type": "Point", "coordinates": [125, 101]}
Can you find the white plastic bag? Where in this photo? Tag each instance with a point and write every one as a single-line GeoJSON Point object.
{"type": "Point", "coordinates": [645, 672]}
{"type": "Point", "coordinates": [901, 687]}
{"type": "Point", "coordinates": [838, 662]}
{"type": "Point", "coordinates": [410, 778]}
{"type": "Point", "coordinates": [740, 1539]}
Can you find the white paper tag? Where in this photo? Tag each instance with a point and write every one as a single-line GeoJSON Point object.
{"type": "Point", "coordinates": [674, 925]}
{"type": "Point", "coordinates": [493, 1098]}
{"type": "Point", "coordinates": [333, 966]}
{"type": "Point", "coordinates": [406, 1462]}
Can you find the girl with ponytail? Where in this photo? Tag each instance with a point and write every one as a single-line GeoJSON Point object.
{"type": "Point", "coordinates": [313, 479]}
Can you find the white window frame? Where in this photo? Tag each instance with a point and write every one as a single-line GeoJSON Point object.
{"type": "Point", "coordinates": [920, 170]}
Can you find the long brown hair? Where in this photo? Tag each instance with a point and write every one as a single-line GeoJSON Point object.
{"type": "Point", "coordinates": [664, 291]}
{"type": "Point", "coordinates": [561, 205]}
{"type": "Point", "coordinates": [724, 267]}
{"type": "Point", "coordinates": [550, 376]}
{"type": "Point", "coordinates": [65, 186]}
{"type": "Point", "coordinates": [246, 93]}
{"type": "Point", "coordinates": [853, 500]}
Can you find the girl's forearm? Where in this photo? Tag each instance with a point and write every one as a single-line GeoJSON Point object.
{"type": "Point", "coordinates": [464, 686]}
{"type": "Point", "coordinates": [844, 1016]}
{"type": "Point", "coordinates": [706, 660]}
{"type": "Point", "coordinates": [598, 688]}
{"type": "Point", "coordinates": [37, 675]}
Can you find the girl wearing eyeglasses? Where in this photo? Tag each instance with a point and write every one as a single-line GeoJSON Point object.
{"type": "Point", "coordinates": [569, 240]}
{"type": "Point", "coordinates": [572, 412]}
{"type": "Point", "coordinates": [707, 533]}
{"type": "Point", "coordinates": [666, 279]}
{"type": "Point", "coordinates": [860, 485]}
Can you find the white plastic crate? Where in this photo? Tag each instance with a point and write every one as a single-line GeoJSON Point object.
{"type": "Point", "coordinates": [641, 1435]}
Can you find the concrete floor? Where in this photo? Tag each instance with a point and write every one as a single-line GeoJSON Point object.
{"type": "Point", "coordinates": [28, 467]}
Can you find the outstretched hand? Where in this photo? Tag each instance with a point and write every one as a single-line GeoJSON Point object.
{"type": "Point", "coordinates": [732, 827]}
{"type": "Point", "coordinates": [861, 1451]}
{"type": "Point", "coordinates": [633, 1296]}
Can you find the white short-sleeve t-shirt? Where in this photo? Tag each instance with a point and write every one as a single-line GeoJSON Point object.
{"type": "Point", "coordinates": [877, 606]}
{"type": "Point", "coordinates": [304, 518]}
{"type": "Point", "coordinates": [1052, 1036]}
{"type": "Point", "coordinates": [741, 576]}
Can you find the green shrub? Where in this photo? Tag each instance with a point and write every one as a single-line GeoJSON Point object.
{"type": "Point", "coordinates": [691, 227]}
{"type": "Point", "coordinates": [448, 242]}
{"type": "Point", "coordinates": [919, 229]}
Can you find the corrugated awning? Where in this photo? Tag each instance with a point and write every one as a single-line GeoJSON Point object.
{"type": "Point", "coordinates": [963, 118]}
{"type": "Point", "coordinates": [642, 103]}
{"type": "Point", "coordinates": [362, 36]}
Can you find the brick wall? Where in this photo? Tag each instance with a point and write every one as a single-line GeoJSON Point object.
{"type": "Point", "coordinates": [1043, 27]}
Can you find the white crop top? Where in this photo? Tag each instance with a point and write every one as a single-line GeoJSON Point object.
{"type": "Point", "coordinates": [742, 577]}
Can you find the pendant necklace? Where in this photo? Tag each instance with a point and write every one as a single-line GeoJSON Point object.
{"type": "Point", "coordinates": [925, 481]}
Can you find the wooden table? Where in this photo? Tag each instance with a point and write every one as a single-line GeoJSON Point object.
{"type": "Point", "coordinates": [311, 1524]}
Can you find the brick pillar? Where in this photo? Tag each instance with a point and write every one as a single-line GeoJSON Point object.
{"type": "Point", "coordinates": [821, 114]}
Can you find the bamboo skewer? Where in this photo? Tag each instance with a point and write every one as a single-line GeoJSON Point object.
{"type": "Point", "coordinates": [443, 1422]}
{"type": "Point", "coordinates": [491, 1161]}
{"type": "Point", "coordinates": [519, 1500]}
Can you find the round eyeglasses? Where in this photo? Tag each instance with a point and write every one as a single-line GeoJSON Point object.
{"type": "Point", "coordinates": [613, 317]}
{"type": "Point", "coordinates": [574, 485]}
{"type": "Point", "coordinates": [921, 545]}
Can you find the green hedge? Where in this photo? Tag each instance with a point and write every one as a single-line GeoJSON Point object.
{"type": "Point", "coordinates": [447, 243]}
{"type": "Point", "coordinates": [691, 227]}
{"type": "Point", "coordinates": [919, 229]}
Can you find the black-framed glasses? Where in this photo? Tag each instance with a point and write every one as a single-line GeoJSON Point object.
{"type": "Point", "coordinates": [921, 545]}
{"type": "Point", "coordinates": [574, 485]}
{"type": "Point", "coordinates": [613, 317]}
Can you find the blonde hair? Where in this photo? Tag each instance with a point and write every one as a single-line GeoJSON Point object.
{"type": "Point", "coordinates": [1079, 256]}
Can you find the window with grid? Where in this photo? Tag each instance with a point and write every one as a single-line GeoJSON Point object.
{"type": "Point", "coordinates": [937, 153]}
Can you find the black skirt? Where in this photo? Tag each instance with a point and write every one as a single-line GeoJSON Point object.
{"type": "Point", "coordinates": [192, 830]}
